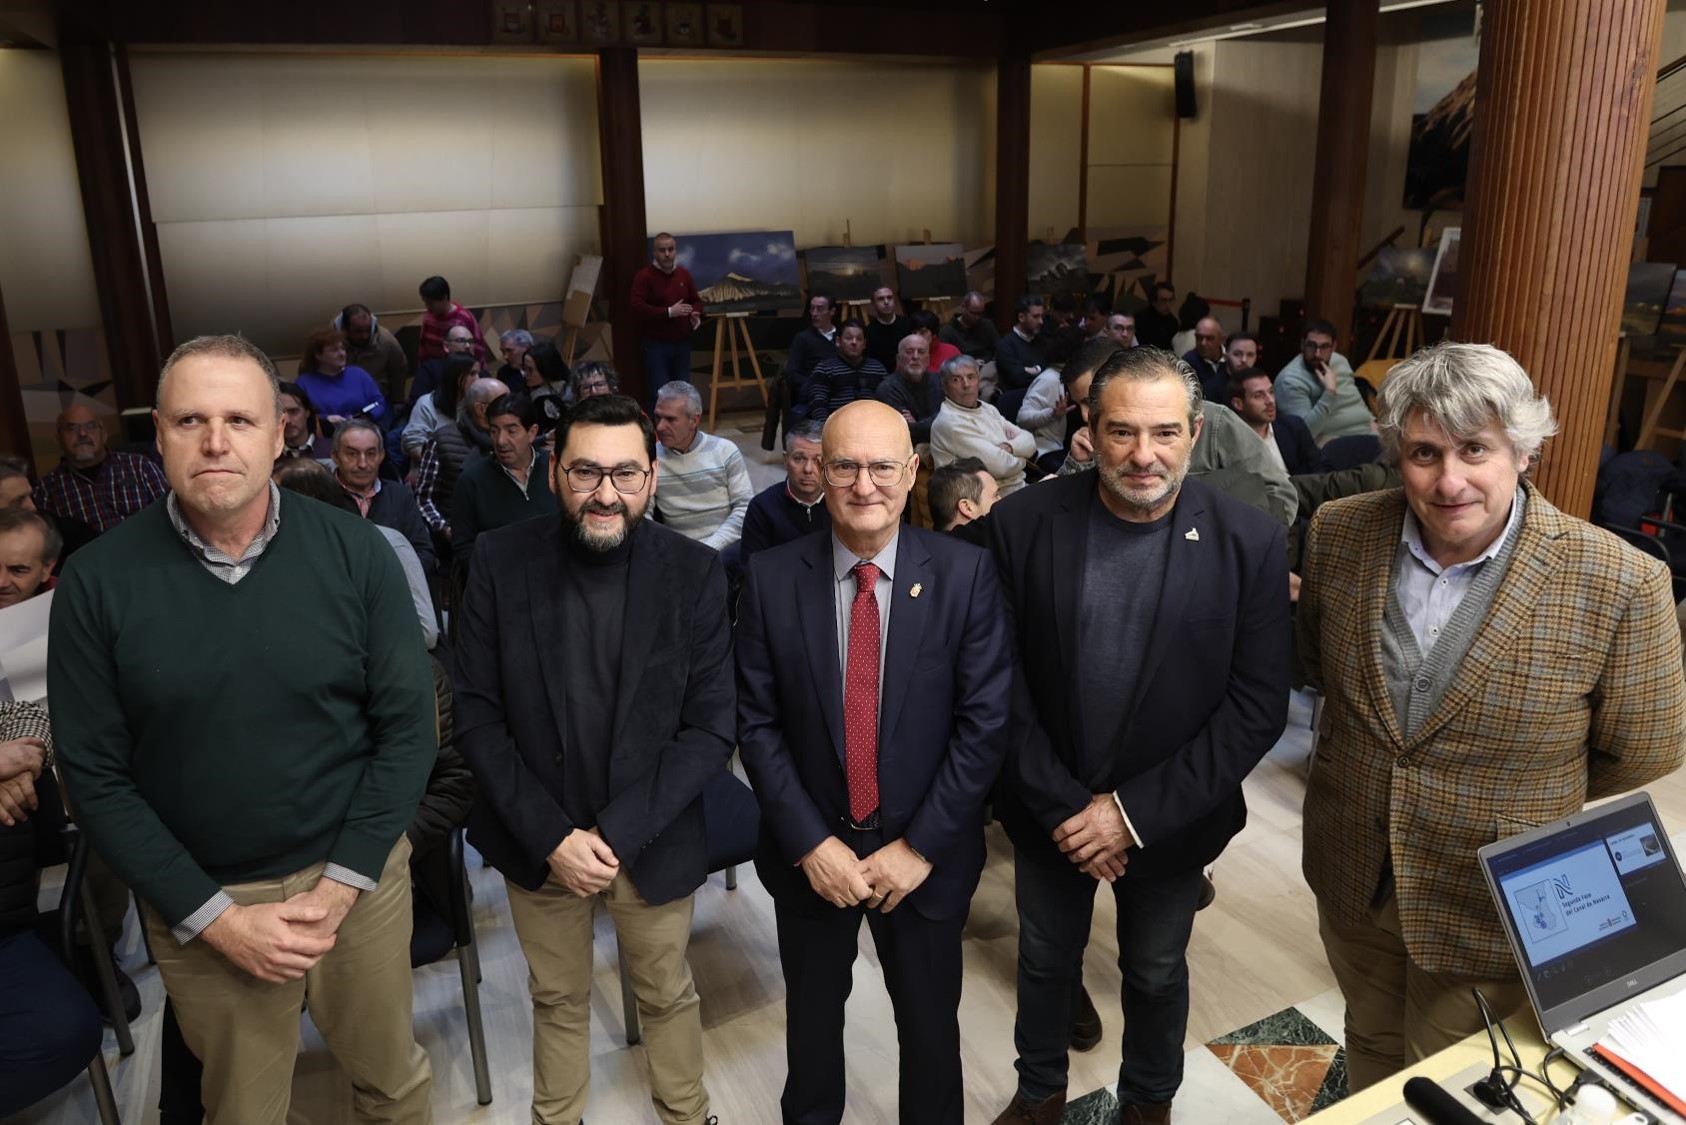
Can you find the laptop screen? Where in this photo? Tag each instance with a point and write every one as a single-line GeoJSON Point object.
{"type": "Point", "coordinates": [1590, 901]}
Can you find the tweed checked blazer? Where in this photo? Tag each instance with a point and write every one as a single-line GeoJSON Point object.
{"type": "Point", "coordinates": [1572, 688]}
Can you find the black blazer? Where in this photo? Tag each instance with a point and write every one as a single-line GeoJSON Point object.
{"type": "Point", "coordinates": [1213, 694]}
{"type": "Point", "coordinates": [942, 709]}
{"type": "Point", "coordinates": [673, 717]}
{"type": "Point", "coordinates": [1300, 453]}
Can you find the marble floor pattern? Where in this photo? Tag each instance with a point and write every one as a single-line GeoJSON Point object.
{"type": "Point", "coordinates": [1264, 1012]}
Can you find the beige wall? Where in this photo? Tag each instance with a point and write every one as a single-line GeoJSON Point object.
{"type": "Point", "coordinates": [285, 186]}
{"type": "Point", "coordinates": [805, 145]}
{"type": "Point", "coordinates": [46, 272]}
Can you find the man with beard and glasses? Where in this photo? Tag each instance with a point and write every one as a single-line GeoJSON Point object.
{"type": "Point", "coordinates": [1152, 637]}
{"type": "Point", "coordinates": [98, 486]}
{"type": "Point", "coordinates": [592, 720]}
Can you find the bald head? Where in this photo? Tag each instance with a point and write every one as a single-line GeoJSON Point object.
{"type": "Point", "coordinates": [82, 436]}
{"type": "Point", "coordinates": [483, 392]}
{"type": "Point", "coordinates": [913, 357]}
{"type": "Point", "coordinates": [1209, 339]}
{"type": "Point", "coordinates": [863, 425]}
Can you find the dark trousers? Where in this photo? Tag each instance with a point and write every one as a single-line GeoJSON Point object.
{"type": "Point", "coordinates": [922, 968]}
{"type": "Point", "coordinates": [49, 1026]}
{"type": "Point", "coordinates": [665, 361]}
{"type": "Point", "coordinates": [1056, 903]}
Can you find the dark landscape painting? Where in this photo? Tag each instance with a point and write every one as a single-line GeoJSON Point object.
{"type": "Point", "coordinates": [1648, 285]}
{"type": "Point", "coordinates": [846, 273]}
{"type": "Point", "coordinates": [1673, 328]}
{"type": "Point", "coordinates": [748, 271]}
{"type": "Point", "coordinates": [930, 271]}
{"type": "Point", "coordinates": [1443, 113]}
{"type": "Point", "coordinates": [1399, 276]}
{"type": "Point", "coordinates": [1057, 267]}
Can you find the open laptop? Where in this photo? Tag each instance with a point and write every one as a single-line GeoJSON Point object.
{"type": "Point", "coordinates": [1594, 906]}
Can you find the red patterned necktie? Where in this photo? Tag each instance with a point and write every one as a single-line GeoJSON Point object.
{"type": "Point", "coordinates": [860, 697]}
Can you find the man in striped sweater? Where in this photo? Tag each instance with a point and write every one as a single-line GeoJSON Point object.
{"type": "Point", "coordinates": [849, 375]}
{"type": "Point", "coordinates": [703, 484]}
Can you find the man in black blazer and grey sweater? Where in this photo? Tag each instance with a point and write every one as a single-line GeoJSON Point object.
{"type": "Point", "coordinates": [594, 700]}
{"type": "Point", "coordinates": [1153, 646]}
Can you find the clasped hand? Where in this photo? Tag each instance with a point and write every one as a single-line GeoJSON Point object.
{"type": "Point", "coordinates": [281, 941]}
{"type": "Point", "coordinates": [881, 880]}
{"type": "Point", "coordinates": [1096, 838]}
{"type": "Point", "coordinates": [584, 863]}
{"type": "Point", "coordinates": [20, 764]}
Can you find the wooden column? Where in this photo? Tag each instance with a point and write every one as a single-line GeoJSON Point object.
{"type": "Point", "coordinates": [97, 135]}
{"type": "Point", "coordinates": [14, 425]}
{"type": "Point", "coordinates": [1012, 180]}
{"type": "Point", "coordinates": [1562, 113]}
{"type": "Point", "coordinates": [621, 134]}
{"type": "Point", "coordinates": [1343, 148]}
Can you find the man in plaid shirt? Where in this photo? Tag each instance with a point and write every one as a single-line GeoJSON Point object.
{"type": "Point", "coordinates": [100, 487]}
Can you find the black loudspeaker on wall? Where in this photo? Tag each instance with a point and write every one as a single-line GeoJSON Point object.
{"type": "Point", "coordinates": [1183, 67]}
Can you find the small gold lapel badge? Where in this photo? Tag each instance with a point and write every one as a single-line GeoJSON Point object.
{"type": "Point", "coordinates": [915, 590]}
{"type": "Point", "coordinates": [1192, 535]}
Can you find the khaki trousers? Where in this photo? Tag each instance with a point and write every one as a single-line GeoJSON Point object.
{"type": "Point", "coordinates": [554, 927]}
{"type": "Point", "coordinates": [246, 1031]}
{"type": "Point", "coordinates": [1398, 1013]}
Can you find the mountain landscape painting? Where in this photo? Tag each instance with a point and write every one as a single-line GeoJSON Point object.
{"type": "Point", "coordinates": [1398, 277]}
{"type": "Point", "coordinates": [930, 271]}
{"type": "Point", "coordinates": [747, 271]}
{"type": "Point", "coordinates": [844, 273]}
{"type": "Point", "coordinates": [1443, 114]}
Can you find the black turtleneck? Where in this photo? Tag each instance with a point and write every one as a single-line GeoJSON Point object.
{"type": "Point", "coordinates": [593, 609]}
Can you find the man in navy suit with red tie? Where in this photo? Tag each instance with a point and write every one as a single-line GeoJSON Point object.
{"type": "Point", "coordinates": [874, 674]}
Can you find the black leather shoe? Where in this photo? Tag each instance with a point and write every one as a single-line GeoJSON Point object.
{"type": "Point", "coordinates": [1085, 1024]}
{"type": "Point", "coordinates": [1022, 1112]}
{"type": "Point", "coordinates": [1208, 892]}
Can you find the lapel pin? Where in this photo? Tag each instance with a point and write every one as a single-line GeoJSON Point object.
{"type": "Point", "coordinates": [1192, 535]}
{"type": "Point", "coordinates": [915, 590]}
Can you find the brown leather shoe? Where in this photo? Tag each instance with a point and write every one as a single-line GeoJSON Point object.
{"type": "Point", "coordinates": [1022, 1112]}
{"type": "Point", "coordinates": [1145, 1115]}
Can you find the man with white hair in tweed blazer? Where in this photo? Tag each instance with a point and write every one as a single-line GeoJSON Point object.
{"type": "Point", "coordinates": [1488, 664]}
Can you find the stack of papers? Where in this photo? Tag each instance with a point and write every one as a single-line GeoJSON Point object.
{"type": "Point", "coordinates": [23, 649]}
{"type": "Point", "coordinates": [1646, 1043]}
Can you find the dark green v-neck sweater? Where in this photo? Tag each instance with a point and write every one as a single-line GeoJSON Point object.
{"type": "Point", "coordinates": [213, 734]}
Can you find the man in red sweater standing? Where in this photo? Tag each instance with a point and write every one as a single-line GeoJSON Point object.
{"type": "Point", "coordinates": [667, 309]}
{"type": "Point", "coordinates": [442, 313]}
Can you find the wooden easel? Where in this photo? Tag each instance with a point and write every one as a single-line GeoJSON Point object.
{"type": "Point", "coordinates": [1649, 431]}
{"type": "Point", "coordinates": [1401, 333]}
{"type": "Point", "coordinates": [732, 327]}
{"type": "Point", "coordinates": [1618, 384]}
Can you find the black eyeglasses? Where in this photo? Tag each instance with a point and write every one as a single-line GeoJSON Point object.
{"type": "Point", "coordinates": [627, 479]}
{"type": "Point", "coordinates": [843, 474]}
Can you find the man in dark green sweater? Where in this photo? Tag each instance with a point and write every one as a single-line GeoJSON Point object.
{"type": "Point", "coordinates": [245, 721]}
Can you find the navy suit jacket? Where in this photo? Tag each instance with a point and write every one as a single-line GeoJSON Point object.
{"type": "Point", "coordinates": [1300, 453]}
{"type": "Point", "coordinates": [673, 713]}
{"type": "Point", "coordinates": [1212, 696]}
{"type": "Point", "coordinates": [942, 729]}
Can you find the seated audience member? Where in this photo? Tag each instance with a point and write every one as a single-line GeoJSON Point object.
{"type": "Point", "coordinates": [29, 549]}
{"type": "Point", "coordinates": [544, 380]}
{"type": "Point", "coordinates": [440, 403]}
{"type": "Point", "coordinates": [1121, 329]}
{"type": "Point", "coordinates": [1157, 323]}
{"type": "Point", "coordinates": [49, 1026]}
{"type": "Point", "coordinates": [1287, 439]}
{"type": "Point", "coordinates": [911, 389]}
{"type": "Point", "coordinates": [849, 375]}
{"type": "Point", "coordinates": [1241, 351]}
{"type": "Point", "coordinates": [1207, 359]}
{"type": "Point", "coordinates": [1062, 313]}
{"type": "Point", "coordinates": [430, 372]}
{"type": "Point", "coordinates": [374, 349]}
{"type": "Point", "coordinates": [337, 390]}
{"type": "Point", "coordinates": [795, 506]}
{"type": "Point", "coordinates": [358, 453]}
{"type": "Point", "coordinates": [961, 493]}
{"type": "Point", "coordinates": [16, 492]}
{"type": "Point", "coordinates": [99, 486]}
{"type": "Point", "coordinates": [969, 331]}
{"type": "Point", "coordinates": [811, 347]}
{"type": "Point", "coordinates": [704, 484]}
{"type": "Point", "coordinates": [299, 433]}
{"type": "Point", "coordinates": [966, 427]}
{"type": "Point", "coordinates": [510, 486]}
{"type": "Point", "coordinates": [939, 351]}
{"type": "Point", "coordinates": [1046, 409]}
{"type": "Point", "coordinates": [443, 313]}
{"type": "Point", "coordinates": [886, 328]}
{"type": "Point", "coordinates": [1018, 354]}
{"type": "Point", "coordinates": [514, 344]}
{"type": "Point", "coordinates": [1096, 308]}
{"type": "Point", "coordinates": [592, 378]}
{"type": "Point", "coordinates": [1317, 386]}
{"type": "Point", "coordinates": [1227, 456]}
{"type": "Point", "coordinates": [1076, 376]}
{"type": "Point", "coordinates": [452, 448]}
{"type": "Point", "coordinates": [307, 478]}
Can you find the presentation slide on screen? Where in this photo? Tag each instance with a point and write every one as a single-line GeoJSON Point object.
{"type": "Point", "coordinates": [1567, 902]}
{"type": "Point", "coordinates": [1634, 848]}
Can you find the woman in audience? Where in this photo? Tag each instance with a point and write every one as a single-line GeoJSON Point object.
{"type": "Point", "coordinates": [441, 405]}
{"type": "Point", "coordinates": [545, 376]}
{"type": "Point", "coordinates": [338, 391]}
